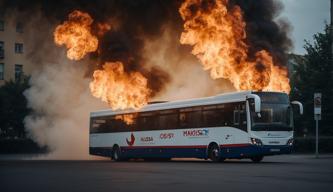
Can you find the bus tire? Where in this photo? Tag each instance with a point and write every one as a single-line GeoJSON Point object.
{"type": "Point", "coordinates": [116, 156]}
{"type": "Point", "coordinates": [257, 159]}
{"type": "Point", "coordinates": [214, 152]}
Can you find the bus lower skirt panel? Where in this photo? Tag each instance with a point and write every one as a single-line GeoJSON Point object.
{"type": "Point", "coordinates": [252, 151]}
{"type": "Point", "coordinates": [151, 152]}
{"type": "Point", "coordinates": [226, 152]}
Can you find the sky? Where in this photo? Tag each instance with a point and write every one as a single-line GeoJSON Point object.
{"type": "Point", "coordinates": [307, 18]}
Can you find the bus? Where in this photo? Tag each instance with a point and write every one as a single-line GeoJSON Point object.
{"type": "Point", "coordinates": [235, 125]}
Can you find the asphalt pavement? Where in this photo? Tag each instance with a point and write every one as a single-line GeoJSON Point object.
{"type": "Point", "coordinates": [276, 173]}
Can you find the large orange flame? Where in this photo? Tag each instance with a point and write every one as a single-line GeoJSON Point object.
{"type": "Point", "coordinates": [217, 34]}
{"type": "Point", "coordinates": [127, 118]}
{"type": "Point", "coordinates": [76, 35]}
{"type": "Point", "coordinates": [119, 89]}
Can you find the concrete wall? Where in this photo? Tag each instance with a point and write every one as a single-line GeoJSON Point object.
{"type": "Point", "coordinates": [9, 36]}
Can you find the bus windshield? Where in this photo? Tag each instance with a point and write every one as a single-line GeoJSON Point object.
{"type": "Point", "coordinates": [276, 114]}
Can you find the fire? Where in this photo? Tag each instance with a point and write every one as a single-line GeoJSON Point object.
{"type": "Point", "coordinates": [217, 34]}
{"type": "Point", "coordinates": [103, 28]}
{"type": "Point", "coordinates": [76, 35]}
{"type": "Point", "coordinates": [119, 89]}
{"type": "Point", "coordinates": [112, 84]}
{"type": "Point", "coordinates": [127, 118]}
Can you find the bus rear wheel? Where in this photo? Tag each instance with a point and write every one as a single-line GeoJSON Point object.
{"type": "Point", "coordinates": [116, 156]}
{"type": "Point", "coordinates": [257, 159]}
{"type": "Point", "coordinates": [214, 153]}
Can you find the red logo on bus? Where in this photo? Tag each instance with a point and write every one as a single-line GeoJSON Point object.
{"type": "Point", "coordinates": [130, 142]}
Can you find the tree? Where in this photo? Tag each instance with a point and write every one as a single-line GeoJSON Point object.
{"type": "Point", "coordinates": [315, 74]}
{"type": "Point", "coordinates": [13, 107]}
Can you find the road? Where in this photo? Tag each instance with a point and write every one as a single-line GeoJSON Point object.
{"type": "Point", "coordinates": [277, 173]}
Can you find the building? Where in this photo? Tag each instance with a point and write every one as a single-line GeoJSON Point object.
{"type": "Point", "coordinates": [13, 62]}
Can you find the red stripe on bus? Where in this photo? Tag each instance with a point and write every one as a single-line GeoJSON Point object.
{"type": "Point", "coordinates": [172, 146]}
{"type": "Point", "coordinates": [186, 146]}
{"type": "Point", "coordinates": [235, 145]}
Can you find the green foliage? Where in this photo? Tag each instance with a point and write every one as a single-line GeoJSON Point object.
{"type": "Point", "coordinates": [13, 108]}
{"type": "Point", "coordinates": [315, 74]}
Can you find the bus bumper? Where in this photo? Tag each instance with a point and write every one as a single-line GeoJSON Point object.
{"type": "Point", "coordinates": [254, 150]}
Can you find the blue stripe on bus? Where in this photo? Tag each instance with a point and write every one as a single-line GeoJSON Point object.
{"type": "Point", "coordinates": [230, 151]}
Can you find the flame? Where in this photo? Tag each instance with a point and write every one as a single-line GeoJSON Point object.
{"type": "Point", "coordinates": [217, 34]}
{"type": "Point", "coordinates": [76, 35]}
{"type": "Point", "coordinates": [103, 28]}
{"type": "Point", "coordinates": [119, 89]}
{"type": "Point", "coordinates": [112, 84]}
{"type": "Point", "coordinates": [127, 118]}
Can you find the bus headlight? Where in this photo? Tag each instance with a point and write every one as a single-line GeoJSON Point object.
{"type": "Point", "coordinates": [290, 142]}
{"type": "Point", "coordinates": [255, 141]}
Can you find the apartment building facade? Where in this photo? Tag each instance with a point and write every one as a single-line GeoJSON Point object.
{"type": "Point", "coordinates": [13, 58]}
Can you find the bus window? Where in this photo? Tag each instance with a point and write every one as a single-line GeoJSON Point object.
{"type": "Point", "coordinates": [236, 117]}
{"type": "Point", "coordinates": [147, 121]}
{"type": "Point", "coordinates": [116, 124]}
{"type": "Point", "coordinates": [210, 116]}
{"type": "Point", "coordinates": [190, 119]}
{"type": "Point", "coordinates": [168, 119]}
{"type": "Point", "coordinates": [183, 120]}
{"type": "Point", "coordinates": [221, 116]}
{"type": "Point", "coordinates": [239, 116]}
{"type": "Point", "coordinates": [97, 125]}
{"type": "Point", "coordinates": [242, 118]}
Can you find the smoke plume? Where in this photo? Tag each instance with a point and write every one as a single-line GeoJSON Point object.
{"type": "Point", "coordinates": [143, 35]}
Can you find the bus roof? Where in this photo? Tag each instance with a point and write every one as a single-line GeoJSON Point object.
{"type": "Point", "coordinates": [221, 98]}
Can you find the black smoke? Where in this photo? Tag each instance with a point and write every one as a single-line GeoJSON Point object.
{"type": "Point", "coordinates": [263, 32]}
{"type": "Point", "coordinates": [141, 20]}
{"type": "Point", "coordinates": [137, 21]}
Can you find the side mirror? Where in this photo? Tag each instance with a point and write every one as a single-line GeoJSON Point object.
{"type": "Point", "coordinates": [257, 103]}
{"type": "Point", "coordinates": [299, 105]}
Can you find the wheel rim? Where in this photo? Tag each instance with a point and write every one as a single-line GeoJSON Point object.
{"type": "Point", "coordinates": [215, 154]}
{"type": "Point", "coordinates": [115, 155]}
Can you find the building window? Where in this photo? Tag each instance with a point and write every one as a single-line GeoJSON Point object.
{"type": "Point", "coordinates": [19, 27]}
{"type": "Point", "coordinates": [18, 71]}
{"type": "Point", "coordinates": [2, 50]}
{"type": "Point", "coordinates": [18, 47]}
{"type": "Point", "coordinates": [2, 70]}
{"type": "Point", "coordinates": [2, 25]}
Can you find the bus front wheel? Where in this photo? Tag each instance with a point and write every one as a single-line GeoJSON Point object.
{"type": "Point", "coordinates": [214, 153]}
{"type": "Point", "coordinates": [257, 159]}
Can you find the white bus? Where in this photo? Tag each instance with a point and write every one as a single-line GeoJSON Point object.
{"type": "Point", "coordinates": [235, 125]}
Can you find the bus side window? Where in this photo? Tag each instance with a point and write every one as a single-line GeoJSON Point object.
{"type": "Point", "coordinates": [100, 125]}
{"type": "Point", "coordinates": [196, 119]}
{"type": "Point", "coordinates": [228, 114]}
{"type": "Point", "coordinates": [183, 120]}
{"type": "Point", "coordinates": [168, 119]}
{"type": "Point", "coordinates": [210, 116]}
{"type": "Point", "coordinates": [97, 125]}
{"type": "Point", "coordinates": [146, 121]}
{"type": "Point", "coordinates": [116, 124]}
{"type": "Point", "coordinates": [236, 117]}
{"type": "Point", "coordinates": [242, 118]}
{"type": "Point", "coordinates": [152, 123]}
{"type": "Point", "coordinates": [220, 115]}
{"type": "Point", "coordinates": [190, 117]}
{"type": "Point", "coordinates": [239, 116]}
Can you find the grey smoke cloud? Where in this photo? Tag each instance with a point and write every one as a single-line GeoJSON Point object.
{"type": "Point", "coordinates": [61, 102]}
